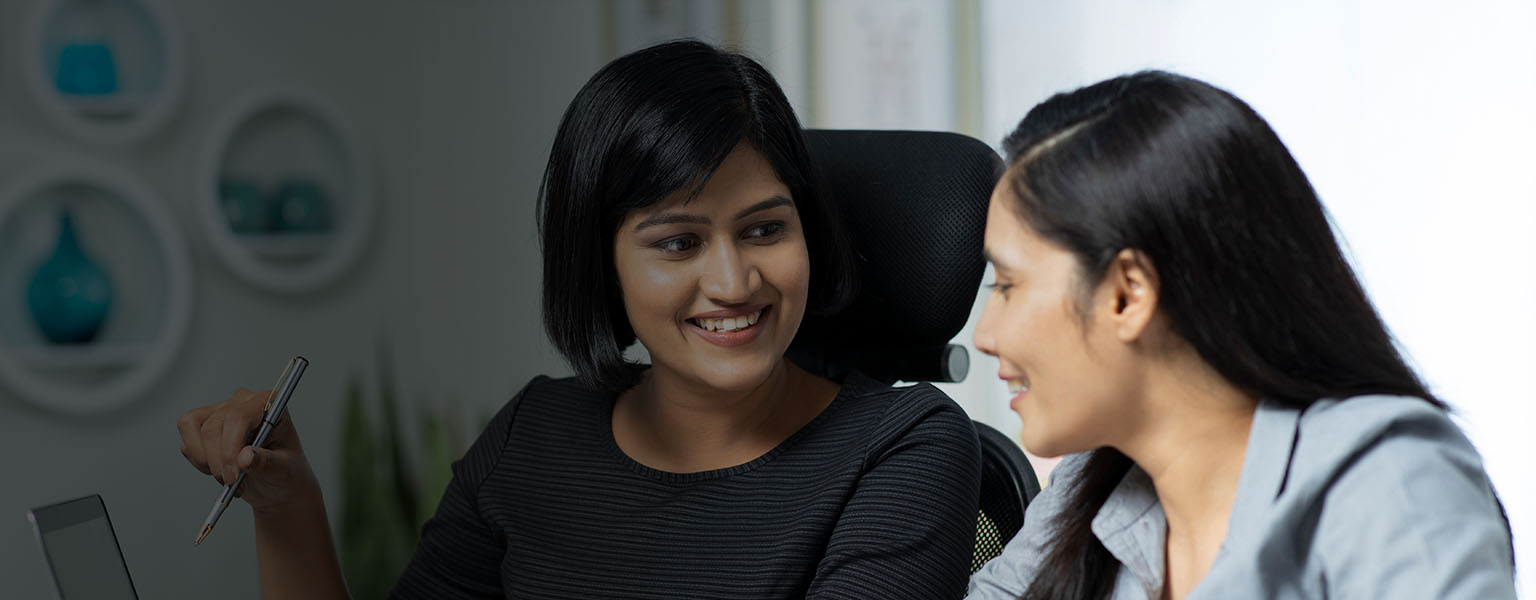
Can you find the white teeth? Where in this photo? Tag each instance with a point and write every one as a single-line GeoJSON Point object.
{"type": "Point", "coordinates": [1016, 386]}
{"type": "Point", "coordinates": [729, 323]}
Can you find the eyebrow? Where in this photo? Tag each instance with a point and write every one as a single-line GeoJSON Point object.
{"type": "Point", "coordinates": [773, 202]}
{"type": "Point", "coordinates": [672, 218]}
{"type": "Point", "coordinates": [989, 257]}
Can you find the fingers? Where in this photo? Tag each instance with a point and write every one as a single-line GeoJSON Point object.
{"type": "Point", "coordinates": [212, 436]}
{"type": "Point", "coordinates": [212, 430]}
{"type": "Point", "coordinates": [238, 427]}
{"type": "Point", "coordinates": [190, 427]}
{"type": "Point", "coordinates": [249, 461]}
{"type": "Point", "coordinates": [217, 440]}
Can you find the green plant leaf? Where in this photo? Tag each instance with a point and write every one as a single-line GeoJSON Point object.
{"type": "Point", "coordinates": [438, 467]}
{"type": "Point", "coordinates": [400, 480]}
{"type": "Point", "coordinates": [387, 496]}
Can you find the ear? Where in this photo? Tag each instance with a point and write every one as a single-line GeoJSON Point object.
{"type": "Point", "coordinates": [1132, 287]}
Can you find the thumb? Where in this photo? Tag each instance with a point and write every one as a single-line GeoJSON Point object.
{"type": "Point", "coordinates": [257, 461]}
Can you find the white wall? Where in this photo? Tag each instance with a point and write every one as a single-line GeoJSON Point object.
{"type": "Point", "coordinates": [456, 104]}
{"type": "Point", "coordinates": [1414, 122]}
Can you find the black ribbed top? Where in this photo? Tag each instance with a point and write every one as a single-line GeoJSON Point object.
{"type": "Point", "coordinates": [874, 498]}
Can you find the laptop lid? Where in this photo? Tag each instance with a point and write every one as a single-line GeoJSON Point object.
{"type": "Point", "coordinates": [81, 550]}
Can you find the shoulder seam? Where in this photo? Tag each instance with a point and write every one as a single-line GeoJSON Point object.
{"type": "Point", "coordinates": [902, 395]}
{"type": "Point", "coordinates": [512, 405]}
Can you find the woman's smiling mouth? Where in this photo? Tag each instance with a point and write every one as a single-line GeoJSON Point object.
{"type": "Point", "coordinates": [729, 328]}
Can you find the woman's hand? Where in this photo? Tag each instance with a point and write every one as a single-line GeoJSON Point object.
{"type": "Point", "coordinates": [216, 439]}
{"type": "Point", "coordinates": [293, 540]}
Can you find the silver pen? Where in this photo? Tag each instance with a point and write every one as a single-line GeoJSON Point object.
{"type": "Point", "coordinates": [270, 415]}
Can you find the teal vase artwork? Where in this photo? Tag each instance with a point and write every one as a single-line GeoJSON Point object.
{"type": "Point", "coordinates": [86, 68]}
{"type": "Point", "coordinates": [244, 208]}
{"type": "Point", "coordinates": [299, 205]}
{"type": "Point", "coordinates": [69, 294]}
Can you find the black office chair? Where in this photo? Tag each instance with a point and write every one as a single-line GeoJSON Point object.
{"type": "Point", "coordinates": [1008, 483]}
{"type": "Point", "coordinates": [915, 206]}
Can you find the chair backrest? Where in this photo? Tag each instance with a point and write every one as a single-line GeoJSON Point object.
{"type": "Point", "coordinates": [914, 204]}
{"type": "Point", "coordinates": [1008, 483]}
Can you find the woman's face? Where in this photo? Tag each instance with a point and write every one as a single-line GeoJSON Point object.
{"type": "Point", "coordinates": [715, 287]}
{"type": "Point", "coordinates": [1067, 377]}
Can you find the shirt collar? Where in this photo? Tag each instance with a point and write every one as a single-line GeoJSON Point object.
{"type": "Point", "coordinates": [1267, 461]}
{"type": "Point", "coordinates": [1133, 527]}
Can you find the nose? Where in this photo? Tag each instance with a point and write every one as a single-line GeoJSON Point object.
{"type": "Point", "coordinates": [983, 338]}
{"type": "Point", "coordinates": [728, 277]}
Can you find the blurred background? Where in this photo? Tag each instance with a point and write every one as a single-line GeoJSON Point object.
{"type": "Point", "coordinates": [221, 185]}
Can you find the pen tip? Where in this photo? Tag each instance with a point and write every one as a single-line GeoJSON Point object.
{"type": "Point", "coordinates": [202, 535]}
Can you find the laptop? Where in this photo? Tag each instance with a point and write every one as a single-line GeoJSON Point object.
{"type": "Point", "coordinates": [81, 550]}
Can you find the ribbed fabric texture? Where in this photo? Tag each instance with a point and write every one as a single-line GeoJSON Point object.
{"type": "Point", "coordinates": [874, 498]}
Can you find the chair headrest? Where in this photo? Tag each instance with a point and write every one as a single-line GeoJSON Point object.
{"type": "Point", "coordinates": [914, 204]}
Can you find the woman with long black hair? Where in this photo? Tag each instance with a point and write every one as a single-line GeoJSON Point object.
{"type": "Point", "coordinates": [1173, 311]}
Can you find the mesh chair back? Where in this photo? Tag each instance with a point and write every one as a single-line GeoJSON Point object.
{"type": "Point", "coordinates": [1008, 483]}
{"type": "Point", "coordinates": [914, 204]}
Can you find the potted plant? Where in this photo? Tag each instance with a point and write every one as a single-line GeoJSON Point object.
{"type": "Point", "coordinates": [391, 481]}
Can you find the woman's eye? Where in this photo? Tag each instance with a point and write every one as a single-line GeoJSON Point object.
{"type": "Point", "coordinates": [765, 230]}
{"type": "Point", "coordinates": [1000, 288]}
{"type": "Point", "coordinates": [677, 245]}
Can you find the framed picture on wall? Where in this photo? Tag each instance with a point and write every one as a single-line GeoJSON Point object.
{"type": "Point", "coordinates": [634, 24]}
{"type": "Point", "coordinates": [894, 64]}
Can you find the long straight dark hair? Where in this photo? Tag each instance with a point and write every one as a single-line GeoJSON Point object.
{"type": "Point", "coordinates": [1250, 273]}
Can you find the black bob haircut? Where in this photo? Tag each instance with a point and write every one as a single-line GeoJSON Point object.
{"type": "Point", "coordinates": [650, 123]}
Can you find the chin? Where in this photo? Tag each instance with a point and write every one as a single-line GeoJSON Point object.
{"type": "Point", "coordinates": [1040, 450]}
{"type": "Point", "coordinates": [739, 375]}
{"type": "Point", "coordinates": [1042, 444]}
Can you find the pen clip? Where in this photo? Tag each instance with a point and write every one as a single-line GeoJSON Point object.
{"type": "Point", "coordinates": [266, 411]}
{"type": "Point", "coordinates": [277, 388]}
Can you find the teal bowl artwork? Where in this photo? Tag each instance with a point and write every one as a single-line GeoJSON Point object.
{"type": "Point", "coordinates": [245, 208]}
{"type": "Point", "coordinates": [69, 294]}
{"type": "Point", "coordinates": [86, 68]}
{"type": "Point", "coordinates": [299, 206]}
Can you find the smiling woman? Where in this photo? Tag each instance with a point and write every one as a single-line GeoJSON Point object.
{"type": "Point", "coordinates": [715, 281]}
{"type": "Point", "coordinates": [678, 210]}
{"type": "Point", "coordinates": [726, 268]}
{"type": "Point", "coordinates": [1173, 311]}
{"type": "Point", "coordinates": [636, 151]}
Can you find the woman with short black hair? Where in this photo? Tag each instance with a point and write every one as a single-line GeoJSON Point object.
{"type": "Point", "coordinates": [657, 122]}
{"type": "Point", "coordinates": [1173, 311]}
{"type": "Point", "coordinates": [678, 209]}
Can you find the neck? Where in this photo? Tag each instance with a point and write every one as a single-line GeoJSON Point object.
{"type": "Point", "coordinates": [683, 406]}
{"type": "Point", "coordinates": [674, 423]}
{"type": "Point", "coordinates": [1192, 443]}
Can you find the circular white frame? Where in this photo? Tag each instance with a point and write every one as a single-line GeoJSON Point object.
{"type": "Point", "coordinates": [350, 236]}
{"type": "Point", "coordinates": [150, 365]}
{"type": "Point", "coordinates": [148, 119]}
